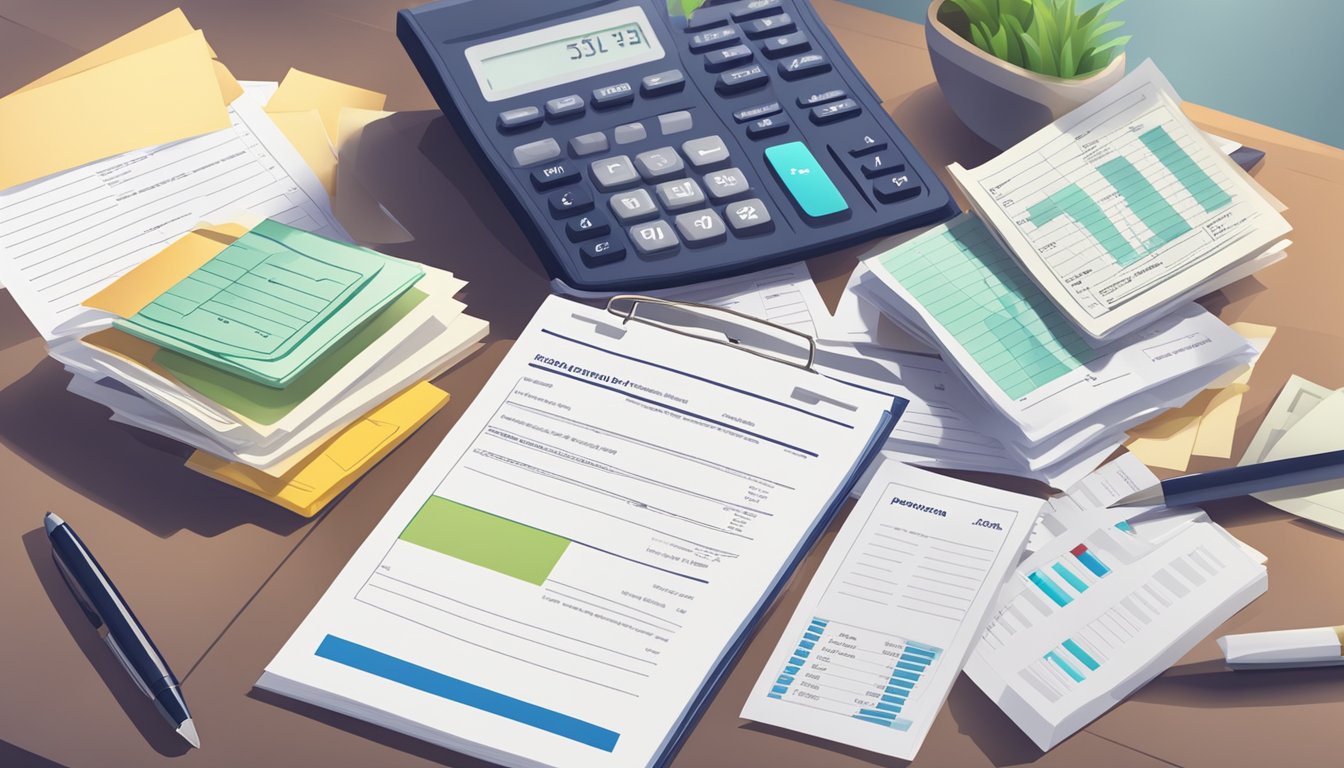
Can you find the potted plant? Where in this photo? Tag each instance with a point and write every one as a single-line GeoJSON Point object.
{"type": "Point", "coordinates": [1009, 67]}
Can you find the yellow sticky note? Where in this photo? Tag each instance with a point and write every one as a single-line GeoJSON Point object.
{"type": "Point", "coordinates": [166, 28]}
{"type": "Point", "coordinates": [331, 468]}
{"type": "Point", "coordinates": [131, 292]}
{"type": "Point", "coordinates": [304, 130]}
{"type": "Point", "coordinates": [355, 207]}
{"type": "Point", "coordinates": [1218, 426]}
{"type": "Point", "coordinates": [300, 92]}
{"type": "Point", "coordinates": [155, 96]}
{"type": "Point", "coordinates": [1168, 440]}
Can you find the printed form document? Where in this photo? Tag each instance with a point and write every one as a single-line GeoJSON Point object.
{"type": "Point", "coordinates": [883, 629]}
{"type": "Point", "coordinates": [574, 566]}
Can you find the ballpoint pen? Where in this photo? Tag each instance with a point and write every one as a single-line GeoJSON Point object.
{"type": "Point", "coordinates": [1239, 481]}
{"type": "Point", "coordinates": [112, 618]}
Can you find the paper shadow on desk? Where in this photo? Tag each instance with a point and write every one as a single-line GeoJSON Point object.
{"type": "Point", "coordinates": [855, 753]}
{"type": "Point", "coordinates": [1211, 685]}
{"type": "Point", "coordinates": [415, 165]}
{"type": "Point", "coordinates": [71, 440]}
{"type": "Point", "coordinates": [139, 708]}
{"type": "Point", "coordinates": [376, 733]}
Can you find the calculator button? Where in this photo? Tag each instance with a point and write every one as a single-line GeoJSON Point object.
{"type": "Point", "coordinates": [747, 216]}
{"type": "Point", "coordinates": [660, 163]}
{"type": "Point", "coordinates": [705, 18]}
{"type": "Point", "coordinates": [754, 9]}
{"type": "Point", "coordinates": [775, 47]}
{"type": "Point", "coordinates": [774, 25]}
{"type": "Point", "coordinates": [802, 66]}
{"type": "Point", "coordinates": [633, 205]}
{"type": "Point", "coordinates": [587, 227]}
{"type": "Point", "coordinates": [564, 107]}
{"type": "Point", "coordinates": [706, 152]}
{"type": "Point", "coordinates": [653, 237]}
{"type": "Point", "coordinates": [897, 186]}
{"type": "Point", "coordinates": [820, 97]}
{"type": "Point", "coordinates": [613, 172]}
{"type": "Point", "coordinates": [767, 126]}
{"type": "Point", "coordinates": [744, 79]}
{"type": "Point", "coordinates": [805, 179]}
{"type": "Point", "coordinates": [868, 142]}
{"type": "Point", "coordinates": [554, 176]}
{"type": "Point", "coordinates": [662, 83]}
{"type": "Point", "coordinates": [726, 184]}
{"type": "Point", "coordinates": [838, 110]}
{"type": "Point", "coordinates": [676, 195]}
{"type": "Point", "coordinates": [714, 38]}
{"type": "Point", "coordinates": [536, 152]}
{"type": "Point", "coordinates": [882, 163]}
{"type": "Point", "coordinates": [569, 202]}
{"type": "Point", "coordinates": [717, 61]}
{"type": "Point", "coordinates": [516, 119]}
{"type": "Point", "coordinates": [613, 96]}
{"type": "Point", "coordinates": [700, 227]}
{"type": "Point", "coordinates": [588, 144]}
{"type": "Point", "coordinates": [757, 112]}
{"type": "Point", "coordinates": [601, 252]}
{"type": "Point", "coordinates": [675, 122]}
{"type": "Point", "coordinates": [630, 133]}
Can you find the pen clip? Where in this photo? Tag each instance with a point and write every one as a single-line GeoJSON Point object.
{"type": "Point", "coordinates": [705, 312]}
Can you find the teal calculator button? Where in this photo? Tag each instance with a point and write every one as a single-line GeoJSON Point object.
{"type": "Point", "coordinates": [803, 176]}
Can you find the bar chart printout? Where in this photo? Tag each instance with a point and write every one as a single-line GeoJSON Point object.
{"type": "Point", "coordinates": [878, 639]}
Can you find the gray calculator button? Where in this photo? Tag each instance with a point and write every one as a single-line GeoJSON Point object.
{"type": "Point", "coordinates": [536, 152]}
{"type": "Point", "coordinates": [565, 106]}
{"type": "Point", "coordinates": [674, 122]}
{"type": "Point", "coordinates": [519, 118]}
{"type": "Point", "coordinates": [588, 144]}
{"type": "Point", "coordinates": [700, 226]}
{"type": "Point", "coordinates": [676, 195]}
{"type": "Point", "coordinates": [661, 163]}
{"type": "Point", "coordinates": [633, 205]}
{"type": "Point", "coordinates": [662, 82]}
{"type": "Point", "coordinates": [726, 184]}
{"type": "Point", "coordinates": [613, 172]}
{"type": "Point", "coordinates": [629, 133]}
{"type": "Point", "coordinates": [653, 237]}
{"type": "Point", "coordinates": [705, 152]}
{"type": "Point", "coordinates": [747, 216]}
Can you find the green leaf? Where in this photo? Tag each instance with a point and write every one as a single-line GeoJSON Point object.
{"type": "Point", "coordinates": [1067, 66]}
{"type": "Point", "coordinates": [980, 39]}
{"type": "Point", "coordinates": [1035, 59]}
{"type": "Point", "coordinates": [999, 41]}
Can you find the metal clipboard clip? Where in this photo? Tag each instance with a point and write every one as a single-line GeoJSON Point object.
{"type": "Point", "coordinates": [720, 326]}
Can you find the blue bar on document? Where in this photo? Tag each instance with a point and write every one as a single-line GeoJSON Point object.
{"type": "Point", "coordinates": [903, 675]}
{"type": "Point", "coordinates": [885, 707]}
{"type": "Point", "coordinates": [420, 678]}
{"type": "Point", "coordinates": [911, 645]}
{"type": "Point", "coordinates": [878, 713]}
{"type": "Point", "coordinates": [1068, 670]}
{"type": "Point", "coordinates": [806, 645]}
{"type": "Point", "coordinates": [779, 689]}
{"type": "Point", "coordinates": [791, 670]}
{"type": "Point", "coordinates": [874, 720]}
{"type": "Point", "coordinates": [797, 661]}
{"type": "Point", "coordinates": [775, 696]}
{"type": "Point", "coordinates": [1049, 587]}
{"type": "Point", "coordinates": [1070, 577]}
{"type": "Point", "coordinates": [784, 679]}
{"type": "Point", "coordinates": [894, 699]}
{"type": "Point", "coordinates": [801, 654]}
{"type": "Point", "coordinates": [911, 667]}
{"type": "Point", "coordinates": [1125, 526]}
{"type": "Point", "coordinates": [1092, 564]}
{"type": "Point", "coordinates": [819, 624]}
{"type": "Point", "coordinates": [900, 687]}
{"type": "Point", "coordinates": [1081, 655]}
{"type": "Point", "coordinates": [810, 636]}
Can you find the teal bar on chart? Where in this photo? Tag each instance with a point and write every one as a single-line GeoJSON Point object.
{"type": "Point", "coordinates": [1064, 665]}
{"type": "Point", "coordinates": [1050, 588]}
{"type": "Point", "coordinates": [1154, 210]}
{"type": "Point", "coordinates": [1206, 192]}
{"type": "Point", "coordinates": [1070, 577]}
{"type": "Point", "coordinates": [1080, 654]}
{"type": "Point", "coordinates": [1073, 202]}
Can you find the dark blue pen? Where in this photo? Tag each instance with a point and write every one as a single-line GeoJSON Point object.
{"type": "Point", "coordinates": [118, 627]}
{"type": "Point", "coordinates": [1239, 481]}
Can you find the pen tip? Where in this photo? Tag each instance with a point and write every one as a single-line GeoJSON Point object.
{"type": "Point", "coordinates": [51, 521]}
{"type": "Point", "coordinates": [188, 731]}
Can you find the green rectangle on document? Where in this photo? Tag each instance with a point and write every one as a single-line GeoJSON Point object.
{"type": "Point", "coordinates": [1205, 190]}
{"type": "Point", "coordinates": [487, 540]}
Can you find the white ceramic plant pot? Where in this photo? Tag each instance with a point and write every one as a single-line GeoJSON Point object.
{"type": "Point", "coordinates": [1003, 103]}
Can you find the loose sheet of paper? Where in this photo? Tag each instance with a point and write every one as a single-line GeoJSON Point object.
{"type": "Point", "coordinates": [882, 630]}
{"type": "Point", "coordinates": [64, 238]}
{"type": "Point", "coordinates": [1122, 208]}
{"type": "Point", "coordinates": [1305, 419]}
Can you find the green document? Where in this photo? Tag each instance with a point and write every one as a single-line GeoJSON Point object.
{"type": "Point", "coordinates": [265, 404]}
{"type": "Point", "coordinates": [487, 540]}
{"type": "Point", "coordinates": [272, 303]}
{"type": "Point", "coordinates": [962, 277]}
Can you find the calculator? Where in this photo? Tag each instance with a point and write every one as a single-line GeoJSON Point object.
{"type": "Point", "coordinates": [641, 151]}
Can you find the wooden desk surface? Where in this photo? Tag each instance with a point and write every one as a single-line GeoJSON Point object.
{"type": "Point", "coordinates": [245, 573]}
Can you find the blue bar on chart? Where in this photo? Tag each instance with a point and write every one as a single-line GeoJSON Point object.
{"type": "Point", "coordinates": [1050, 588]}
{"type": "Point", "coordinates": [1089, 560]}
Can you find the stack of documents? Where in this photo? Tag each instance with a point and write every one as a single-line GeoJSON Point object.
{"type": "Point", "coordinates": [1123, 211]}
{"type": "Point", "coordinates": [1304, 419]}
{"type": "Point", "coordinates": [274, 352]}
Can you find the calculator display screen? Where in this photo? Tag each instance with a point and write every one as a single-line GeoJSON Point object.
{"type": "Point", "coordinates": [563, 53]}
